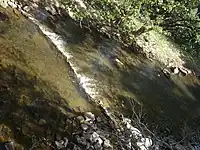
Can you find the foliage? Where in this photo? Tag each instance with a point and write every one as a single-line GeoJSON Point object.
{"type": "Point", "coordinates": [126, 19]}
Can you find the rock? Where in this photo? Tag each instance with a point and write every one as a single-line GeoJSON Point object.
{"type": "Point", "coordinates": [81, 4]}
{"type": "Point", "coordinates": [175, 70]}
{"type": "Point", "coordinates": [12, 4]}
{"type": "Point", "coordinates": [3, 3]}
{"type": "Point", "coordinates": [98, 144]}
{"type": "Point", "coordinates": [135, 132]}
{"type": "Point", "coordinates": [59, 144]}
{"type": "Point", "coordinates": [185, 71]}
{"type": "Point", "coordinates": [68, 121]}
{"type": "Point", "coordinates": [58, 137]}
{"type": "Point", "coordinates": [81, 140]}
{"type": "Point", "coordinates": [80, 119]}
{"type": "Point", "coordinates": [94, 137]}
{"type": "Point", "coordinates": [65, 141]}
{"type": "Point", "coordinates": [179, 147]}
{"type": "Point", "coordinates": [51, 10]}
{"type": "Point", "coordinates": [84, 126]}
{"type": "Point", "coordinates": [144, 143]}
{"type": "Point", "coordinates": [89, 116]}
{"type": "Point", "coordinates": [107, 145]}
{"type": "Point", "coordinates": [86, 135]}
{"type": "Point", "coordinates": [99, 119]}
{"type": "Point", "coordinates": [42, 122]}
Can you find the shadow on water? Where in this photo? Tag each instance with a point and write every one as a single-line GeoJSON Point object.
{"type": "Point", "coordinates": [30, 108]}
{"type": "Point", "coordinates": [168, 103]}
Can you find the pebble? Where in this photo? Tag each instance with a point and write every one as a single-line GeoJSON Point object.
{"type": "Point", "coordinates": [84, 127]}
{"type": "Point", "coordinates": [66, 141]}
{"type": "Point", "coordinates": [144, 143]}
{"type": "Point", "coordinates": [106, 144]}
{"type": "Point", "coordinates": [59, 144]}
{"type": "Point", "coordinates": [99, 119]}
{"type": "Point", "coordinates": [26, 8]}
{"type": "Point", "coordinates": [94, 137]}
{"type": "Point", "coordinates": [80, 119]}
{"type": "Point", "coordinates": [89, 116]}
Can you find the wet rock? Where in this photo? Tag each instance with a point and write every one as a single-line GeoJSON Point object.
{"type": "Point", "coordinates": [42, 122]}
{"type": "Point", "coordinates": [84, 126]}
{"type": "Point", "coordinates": [107, 145]}
{"type": "Point", "coordinates": [89, 116]}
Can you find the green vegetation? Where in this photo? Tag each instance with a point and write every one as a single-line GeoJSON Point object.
{"type": "Point", "coordinates": [127, 19]}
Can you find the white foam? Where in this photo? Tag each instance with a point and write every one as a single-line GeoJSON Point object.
{"type": "Point", "coordinates": [88, 84]}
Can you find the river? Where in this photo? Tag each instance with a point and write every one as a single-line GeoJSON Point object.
{"type": "Point", "coordinates": [65, 69]}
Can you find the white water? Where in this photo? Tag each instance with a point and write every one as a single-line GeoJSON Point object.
{"type": "Point", "coordinates": [85, 82]}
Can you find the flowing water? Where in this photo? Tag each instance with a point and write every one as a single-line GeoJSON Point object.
{"type": "Point", "coordinates": [71, 68]}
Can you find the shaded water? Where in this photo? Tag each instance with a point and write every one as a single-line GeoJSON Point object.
{"type": "Point", "coordinates": [121, 75]}
{"type": "Point", "coordinates": [31, 63]}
